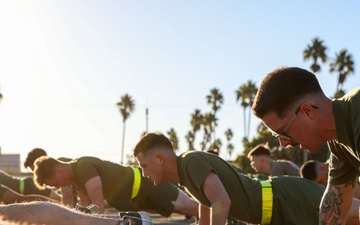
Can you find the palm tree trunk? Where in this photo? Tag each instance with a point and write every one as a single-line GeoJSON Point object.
{"type": "Point", "coordinates": [245, 122]}
{"type": "Point", "coordinates": [123, 144]}
{"type": "Point", "coordinates": [248, 125]}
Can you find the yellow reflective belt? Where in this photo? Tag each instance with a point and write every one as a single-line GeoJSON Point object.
{"type": "Point", "coordinates": [267, 202]}
{"type": "Point", "coordinates": [22, 186]}
{"type": "Point", "coordinates": [137, 181]}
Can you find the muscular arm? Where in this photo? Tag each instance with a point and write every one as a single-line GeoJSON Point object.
{"type": "Point", "coordinates": [95, 192]}
{"type": "Point", "coordinates": [217, 195]}
{"type": "Point", "coordinates": [336, 203]}
{"type": "Point", "coordinates": [68, 196]}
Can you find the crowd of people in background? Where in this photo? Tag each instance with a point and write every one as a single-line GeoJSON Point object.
{"type": "Point", "coordinates": [203, 185]}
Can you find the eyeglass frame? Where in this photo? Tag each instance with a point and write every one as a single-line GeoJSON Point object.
{"type": "Point", "coordinates": [283, 134]}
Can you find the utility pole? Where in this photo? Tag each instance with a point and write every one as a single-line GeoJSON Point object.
{"type": "Point", "coordinates": [147, 119]}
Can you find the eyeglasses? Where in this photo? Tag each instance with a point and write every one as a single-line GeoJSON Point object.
{"type": "Point", "coordinates": [283, 134]}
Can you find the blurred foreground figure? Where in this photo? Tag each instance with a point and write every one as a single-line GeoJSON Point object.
{"type": "Point", "coordinates": [50, 213]}
{"type": "Point", "coordinates": [8, 196]}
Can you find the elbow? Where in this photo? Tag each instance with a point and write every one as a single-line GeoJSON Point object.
{"type": "Point", "coordinates": [221, 206]}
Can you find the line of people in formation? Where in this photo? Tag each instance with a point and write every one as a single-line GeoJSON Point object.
{"type": "Point", "coordinates": [91, 180]}
{"type": "Point", "coordinates": [219, 192]}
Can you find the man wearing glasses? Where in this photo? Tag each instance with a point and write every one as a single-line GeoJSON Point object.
{"type": "Point", "coordinates": [291, 103]}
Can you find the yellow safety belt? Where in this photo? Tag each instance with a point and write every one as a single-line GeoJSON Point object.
{"type": "Point", "coordinates": [267, 202]}
{"type": "Point", "coordinates": [22, 186]}
{"type": "Point", "coordinates": [137, 181]}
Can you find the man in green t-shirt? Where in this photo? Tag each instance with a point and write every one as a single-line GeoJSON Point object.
{"type": "Point", "coordinates": [291, 103]}
{"type": "Point", "coordinates": [122, 187]}
{"type": "Point", "coordinates": [318, 172]}
{"type": "Point", "coordinates": [26, 186]}
{"type": "Point", "coordinates": [261, 162]}
{"type": "Point", "coordinates": [68, 193]}
{"type": "Point", "coordinates": [224, 193]}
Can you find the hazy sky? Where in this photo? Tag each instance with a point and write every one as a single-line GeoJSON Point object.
{"type": "Point", "coordinates": [65, 63]}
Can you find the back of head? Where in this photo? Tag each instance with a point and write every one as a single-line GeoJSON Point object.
{"type": "Point", "coordinates": [33, 155]}
{"type": "Point", "coordinates": [281, 88]}
{"type": "Point", "coordinates": [44, 169]}
{"type": "Point", "coordinates": [259, 150]}
{"type": "Point", "coordinates": [150, 141]}
{"type": "Point", "coordinates": [308, 170]}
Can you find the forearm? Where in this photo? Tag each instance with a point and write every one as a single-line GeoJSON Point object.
{"type": "Point", "coordinates": [68, 196]}
{"type": "Point", "coordinates": [335, 205]}
{"type": "Point", "coordinates": [220, 211]}
{"type": "Point", "coordinates": [353, 215]}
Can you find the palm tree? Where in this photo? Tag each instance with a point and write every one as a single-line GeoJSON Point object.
{"type": "Point", "coordinates": [343, 65]}
{"type": "Point", "coordinates": [196, 122]}
{"type": "Point", "coordinates": [207, 123]}
{"type": "Point", "coordinates": [189, 137]}
{"type": "Point", "coordinates": [246, 93]}
{"type": "Point", "coordinates": [315, 51]}
{"type": "Point", "coordinates": [126, 107]}
{"type": "Point", "coordinates": [229, 135]}
{"type": "Point", "coordinates": [215, 99]}
{"type": "Point", "coordinates": [173, 139]}
{"type": "Point", "coordinates": [339, 93]}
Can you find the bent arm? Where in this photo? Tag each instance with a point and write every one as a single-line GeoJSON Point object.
{"type": "Point", "coordinates": [95, 192]}
{"type": "Point", "coordinates": [219, 198]}
{"type": "Point", "coordinates": [336, 203]}
{"type": "Point", "coordinates": [68, 197]}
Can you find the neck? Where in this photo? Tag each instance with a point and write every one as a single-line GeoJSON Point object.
{"type": "Point", "coordinates": [172, 170]}
{"type": "Point", "coordinates": [68, 170]}
{"type": "Point", "coordinates": [267, 165]}
{"type": "Point", "coordinates": [327, 121]}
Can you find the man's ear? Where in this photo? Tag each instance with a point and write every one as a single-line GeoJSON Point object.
{"type": "Point", "coordinates": [159, 157]}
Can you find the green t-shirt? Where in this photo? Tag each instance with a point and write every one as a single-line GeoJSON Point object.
{"type": "Point", "coordinates": [344, 160]}
{"type": "Point", "coordinates": [117, 183]}
{"type": "Point", "coordinates": [284, 167]}
{"type": "Point", "coordinates": [295, 200]}
{"type": "Point", "coordinates": [13, 183]}
{"type": "Point", "coordinates": [245, 193]}
{"type": "Point", "coordinates": [117, 180]}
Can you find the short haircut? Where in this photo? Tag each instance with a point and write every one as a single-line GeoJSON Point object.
{"type": "Point", "coordinates": [44, 169]}
{"type": "Point", "coordinates": [33, 155]}
{"type": "Point", "coordinates": [308, 170]}
{"type": "Point", "coordinates": [259, 150]}
{"type": "Point", "coordinates": [151, 140]}
{"type": "Point", "coordinates": [281, 88]}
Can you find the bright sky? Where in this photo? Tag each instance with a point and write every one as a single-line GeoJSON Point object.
{"type": "Point", "coordinates": [64, 65]}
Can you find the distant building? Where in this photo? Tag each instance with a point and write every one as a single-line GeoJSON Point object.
{"type": "Point", "coordinates": [10, 163]}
